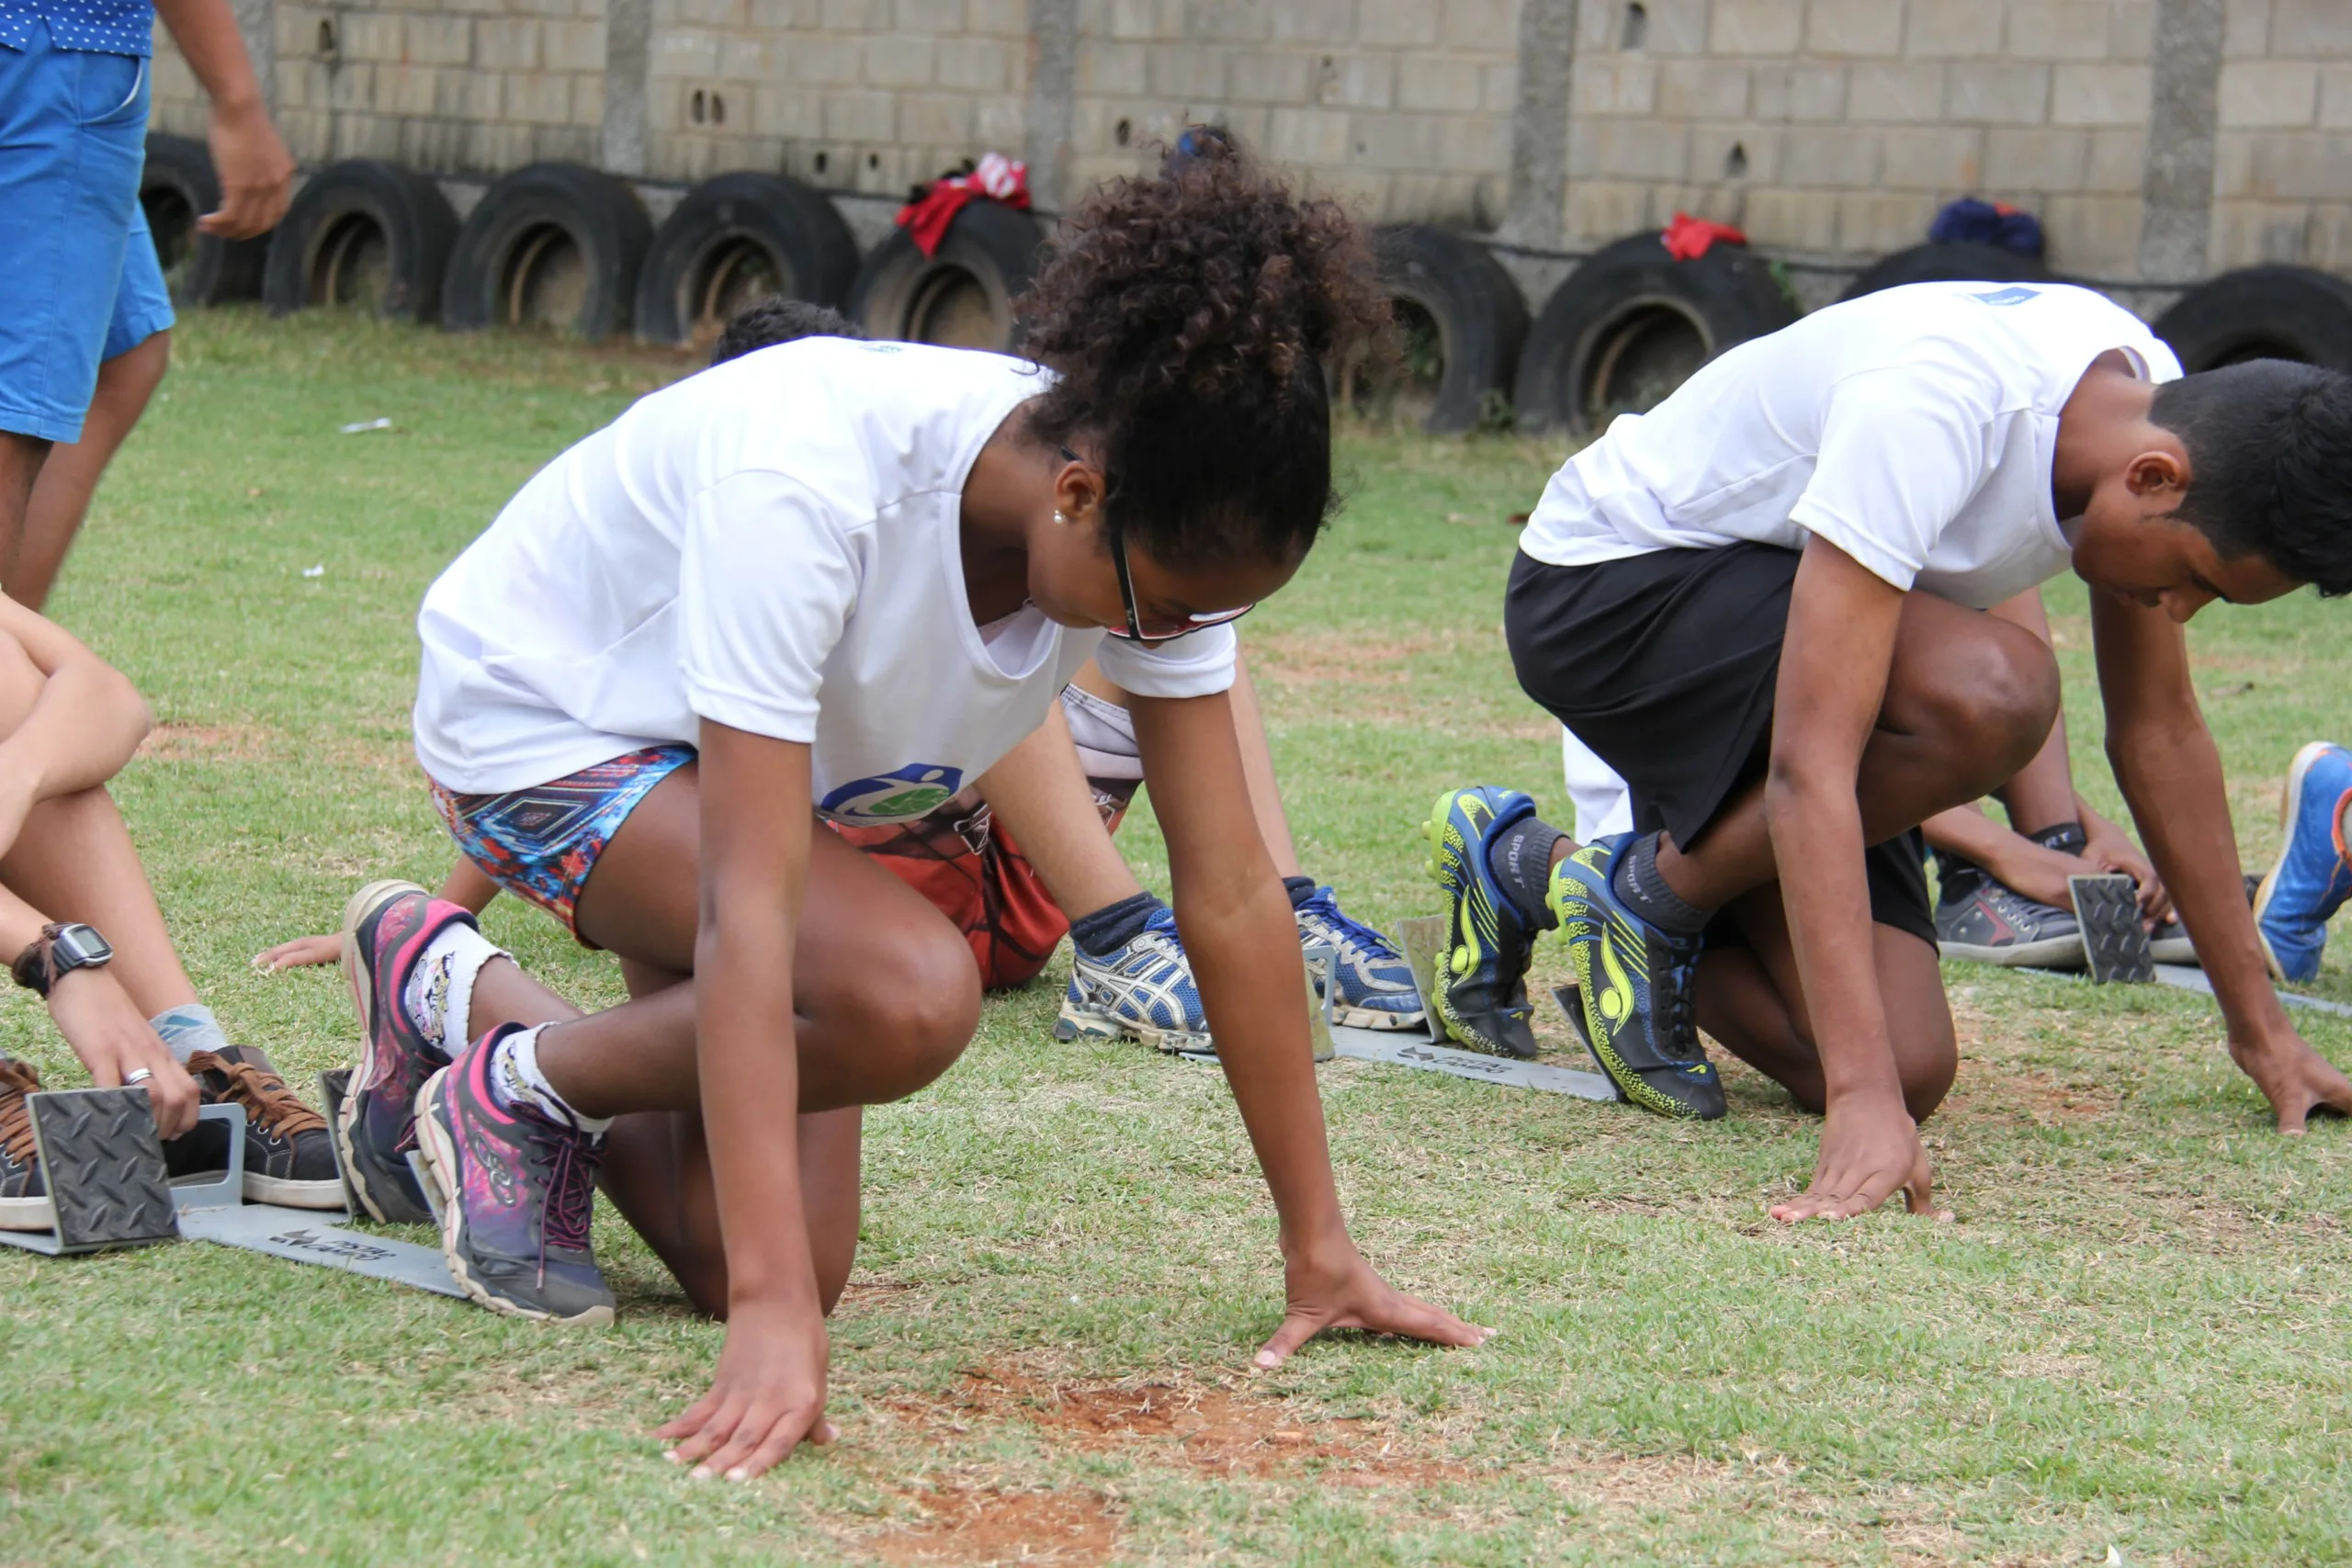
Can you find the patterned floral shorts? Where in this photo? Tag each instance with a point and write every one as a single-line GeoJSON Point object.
{"type": "Point", "coordinates": [541, 842]}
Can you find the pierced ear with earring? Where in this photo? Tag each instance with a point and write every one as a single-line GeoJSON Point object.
{"type": "Point", "coordinates": [1061, 517]}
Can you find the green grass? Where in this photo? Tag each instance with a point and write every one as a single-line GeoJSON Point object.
{"type": "Point", "coordinates": [2132, 1337]}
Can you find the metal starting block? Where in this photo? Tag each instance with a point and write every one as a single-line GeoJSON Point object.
{"type": "Point", "coordinates": [1422, 941]}
{"type": "Point", "coordinates": [103, 1168]}
{"type": "Point", "coordinates": [2114, 944]}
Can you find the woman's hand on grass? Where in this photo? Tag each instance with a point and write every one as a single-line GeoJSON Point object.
{"type": "Point", "coordinates": [2296, 1080]}
{"type": "Point", "coordinates": [767, 1397]}
{"type": "Point", "coordinates": [1335, 1287]}
{"type": "Point", "coordinates": [114, 1039]}
{"type": "Point", "coordinates": [301, 951]}
{"type": "Point", "coordinates": [1868, 1152]}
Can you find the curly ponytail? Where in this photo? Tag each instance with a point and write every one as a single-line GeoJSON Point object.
{"type": "Point", "coordinates": [1191, 317]}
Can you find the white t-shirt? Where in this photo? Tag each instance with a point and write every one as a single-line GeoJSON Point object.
{"type": "Point", "coordinates": [772, 544]}
{"type": "Point", "coordinates": [1912, 428]}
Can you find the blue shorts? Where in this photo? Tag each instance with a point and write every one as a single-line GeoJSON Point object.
{"type": "Point", "coordinates": [72, 136]}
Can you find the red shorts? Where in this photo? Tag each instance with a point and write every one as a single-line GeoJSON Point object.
{"type": "Point", "coordinates": [973, 872]}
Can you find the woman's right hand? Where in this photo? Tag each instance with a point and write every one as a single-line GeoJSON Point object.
{"type": "Point", "coordinates": [766, 1398]}
{"type": "Point", "coordinates": [114, 1039]}
{"type": "Point", "coordinates": [301, 951]}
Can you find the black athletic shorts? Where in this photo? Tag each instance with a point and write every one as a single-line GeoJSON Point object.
{"type": "Point", "coordinates": [1664, 664]}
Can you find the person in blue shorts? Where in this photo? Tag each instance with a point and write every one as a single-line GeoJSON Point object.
{"type": "Point", "coordinates": [84, 284]}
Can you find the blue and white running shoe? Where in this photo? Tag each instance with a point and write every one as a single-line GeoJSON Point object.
{"type": "Point", "coordinates": [1375, 989]}
{"type": "Point", "coordinates": [1482, 975]}
{"type": "Point", "coordinates": [1142, 990]}
{"type": "Point", "coordinates": [2310, 880]}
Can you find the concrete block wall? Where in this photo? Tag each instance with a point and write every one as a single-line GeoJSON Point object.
{"type": "Point", "coordinates": [1830, 129]}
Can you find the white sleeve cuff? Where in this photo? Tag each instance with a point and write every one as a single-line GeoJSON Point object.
{"type": "Point", "coordinates": [1873, 555]}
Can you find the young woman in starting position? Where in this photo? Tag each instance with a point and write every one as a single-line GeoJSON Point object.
{"type": "Point", "coordinates": [843, 578]}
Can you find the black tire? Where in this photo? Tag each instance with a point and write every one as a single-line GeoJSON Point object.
{"type": "Point", "coordinates": [735, 240]}
{"type": "Point", "coordinates": [2262, 312]}
{"type": "Point", "coordinates": [552, 245]}
{"type": "Point", "coordinates": [1959, 262]}
{"type": "Point", "coordinates": [1632, 323]}
{"type": "Point", "coordinates": [363, 234]}
{"type": "Point", "coordinates": [1461, 322]}
{"type": "Point", "coordinates": [176, 188]}
{"type": "Point", "coordinates": [963, 296]}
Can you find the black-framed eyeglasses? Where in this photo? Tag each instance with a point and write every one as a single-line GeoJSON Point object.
{"type": "Point", "coordinates": [1115, 536]}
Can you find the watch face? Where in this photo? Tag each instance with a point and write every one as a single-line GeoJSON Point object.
{"type": "Point", "coordinates": [79, 946]}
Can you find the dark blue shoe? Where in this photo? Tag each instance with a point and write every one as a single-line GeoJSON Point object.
{"type": "Point", "coordinates": [1481, 983]}
{"type": "Point", "coordinates": [1142, 990]}
{"type": "Point", "coordinates": [2310, 880]}
{"type": "Point", "coordinates": [1638, 987]}
{"type": "Point", "coordinates": [1375, 983]}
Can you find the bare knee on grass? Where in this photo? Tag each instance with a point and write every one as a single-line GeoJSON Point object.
{"type": "Point", "coordinates": [1751, 1001]}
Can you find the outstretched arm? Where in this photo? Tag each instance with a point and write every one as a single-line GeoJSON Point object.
{"type": "Point", "coordinates": [1237, 926]}
{"type": "Point", "coordinates": [2170, 772]}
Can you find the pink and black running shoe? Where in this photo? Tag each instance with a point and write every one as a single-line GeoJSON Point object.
{"type": "Point", "coordinates": [516, 1192]}
{"type": "Point", "coordinates": [386, 928]}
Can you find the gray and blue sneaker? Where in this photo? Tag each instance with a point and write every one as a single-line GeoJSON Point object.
{"type": "Point", "coordinates": [1142, 990]}
{"type": "Point", "coordinates": [1375, 985]}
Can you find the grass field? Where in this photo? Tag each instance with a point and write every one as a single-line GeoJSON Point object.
{"type": "Point", "coordinates": [2131, 1346]}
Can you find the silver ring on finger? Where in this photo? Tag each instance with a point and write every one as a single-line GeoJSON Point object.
{"type": "Point", "coordinates": [137, 1076]}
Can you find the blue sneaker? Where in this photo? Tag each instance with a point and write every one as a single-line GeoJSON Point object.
{"type": "Point", "coordinates": [1143, 991]}
{"type": "Point", "coordinates": [1481, 984]}
{"type": "Point", "coordinates": [1638, 986]}
{"type": "Point", "coordinates": [2310, 880]}
{"type": "Point", "coordinates": [1375, 989]}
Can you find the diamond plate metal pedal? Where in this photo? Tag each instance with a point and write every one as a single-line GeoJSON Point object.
{"type": "Point", "coordinates": [2115, 944]}
{"type": "Point", "coordinates": [103, 1170]}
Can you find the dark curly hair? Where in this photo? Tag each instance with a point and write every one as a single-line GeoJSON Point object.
{"type": "Point", "coordinates": [777, 319]}
{"type": "Point", "coordinates": [2269, 464]}
{"type": "Point", "coordinates": [1191, 317]}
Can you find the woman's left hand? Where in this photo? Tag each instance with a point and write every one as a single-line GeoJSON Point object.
{"type": "Point", "coordinates": [1336, 1289]}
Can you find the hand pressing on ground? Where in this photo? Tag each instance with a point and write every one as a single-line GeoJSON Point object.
{"type": "Point", "coordinates": [2296, 1080]}
{"type": "Point", "coordinates": [1868, 1152]}
{"type": "Point", "coordinates": [298, 953]}
{"type": "Point", "coordinates": [766, 1398]}
{"type": "Point", "coordinates": [1335, 1287]}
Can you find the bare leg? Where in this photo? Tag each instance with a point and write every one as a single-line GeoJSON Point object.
{"type": "Point", "coordinates": [1751, 1000]}
{"type": "Point", "coordinates": [1257, 758]}
{"type": "Point", "coordinates": [657, 1172]}
{"type": "Point", "coordinates": [1038, 792]}
{"type": "Point", "coordinates": [1969, 701]}
{"type": "Point", "coordinates": [61, 497]}
{"type": "Point", "coordinates": [21, 458]}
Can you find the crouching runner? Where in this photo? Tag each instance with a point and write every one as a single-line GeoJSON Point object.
{"type": "Point", "coordinates": [1760, 605]}
{"type": "Point", "coordinates": [844, 578]}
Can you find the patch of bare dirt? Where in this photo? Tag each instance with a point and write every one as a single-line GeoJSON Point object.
{"type": "Point", "coordinates": [972, 1527]}
{"type": "Point", "coordinates": [172, 742]}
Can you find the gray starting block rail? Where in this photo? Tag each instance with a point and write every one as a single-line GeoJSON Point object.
{"type": "Point", "coordinates": [103, 1168]}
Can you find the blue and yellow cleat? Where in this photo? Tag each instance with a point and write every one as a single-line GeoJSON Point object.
{"type": "Point", "coordinates": [1481, 983]}
{"type": "Point", "coordinates": [1638, 987]}
{"type": "Point", "coordinates": [2311, 880]}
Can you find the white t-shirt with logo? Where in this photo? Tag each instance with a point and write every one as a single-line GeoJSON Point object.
{"type": "Point", "coordinates": [772, 544]}
{"type": "Point", "coordinates": [1912, 428]}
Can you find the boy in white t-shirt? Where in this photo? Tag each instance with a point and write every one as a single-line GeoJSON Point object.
{"type": "Point", "coordinates": [838, 580]}
{"type": "Point", "coordinates": [1760, 605]}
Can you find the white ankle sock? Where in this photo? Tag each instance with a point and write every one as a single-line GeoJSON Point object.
{"type": "Point", "coordinates": [189, 1029]}
{"type": "Point", "coordinates": [518, 1084]}
{"type": "Point", "coordinates": [441, 987]}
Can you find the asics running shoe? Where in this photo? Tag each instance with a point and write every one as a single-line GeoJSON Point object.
{"type": "Point", "coordinates": [1980, 918]}
{"type": "Point", "coordinates": [1375, 989]}
{"type": "Point", "coordinates": [1142, 990]}
{"type": "Point", "coordinates": [1638, 987]}
{"type": "Point", "coordinates": [1482, 975]}
{"type": "Point", "coordinates": [386, 928]}
{"type": "Point", "coordinates": [290, 1153]}
{"type": "Point", "coordinates": [517, 1191]}
{"type": "Point", "coordinates": [24, 1201]}
{"type": "Point", "coordinates": [2310, 878]}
